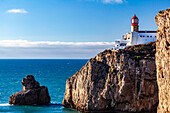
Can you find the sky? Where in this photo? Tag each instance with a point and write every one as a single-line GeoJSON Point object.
{"type": "Point", "coordinates": [69, 29]}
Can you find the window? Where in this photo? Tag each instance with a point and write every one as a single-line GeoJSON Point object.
{"type": "Point", "coordinates": [143, 36]}
{"type": "Point", "coordinates": [122, 44]}
{"type": "Point", "coordinates": [150, 36]}
{"type": "Point", "coordinates": [155, 36]}
{"type": "Point", "coordinates": [147, 36]}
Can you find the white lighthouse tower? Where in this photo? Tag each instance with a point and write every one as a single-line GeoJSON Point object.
{"type": "Point", "coordinates": [135, 24]}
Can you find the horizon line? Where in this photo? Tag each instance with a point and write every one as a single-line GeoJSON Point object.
{"type": "Point", "coordinates": [41, 59]}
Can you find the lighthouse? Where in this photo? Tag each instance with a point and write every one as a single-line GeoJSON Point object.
{"type": "Point", "coordinates": [135, 36]}
{"type": "Point", "coordinates": [135, 24]}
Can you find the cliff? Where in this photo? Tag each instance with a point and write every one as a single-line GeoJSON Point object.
{"type": "Point", "coordinates": [123, 80]}
{"type": "Point", "coordinates": [163, 60]}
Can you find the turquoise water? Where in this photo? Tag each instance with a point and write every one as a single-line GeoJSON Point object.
{"type": "Point", "coordinates": [51, 73]}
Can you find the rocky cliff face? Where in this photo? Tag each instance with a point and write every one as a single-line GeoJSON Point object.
{"type": "Point", "coordinates": [122, 80]}
{"type": "Point", "coordinates": [32, 93]}
{"type": "Point", "coordinates": [163, 60]}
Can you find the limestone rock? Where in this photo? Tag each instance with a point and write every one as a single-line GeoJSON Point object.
{"type": "Point", "coordinates": [32, 93]}
{"type": "Point", "coordinates": [163, 60]}
{"type": "Point", "coordinates": [123, 80]}
{"type": "Point", "coordinates": [29, 83]}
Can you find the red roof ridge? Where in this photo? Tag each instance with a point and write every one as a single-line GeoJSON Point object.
{"type": "Point", "coordinates": [134, 17]}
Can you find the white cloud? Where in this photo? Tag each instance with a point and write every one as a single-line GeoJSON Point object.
{"type": "Point", "coordinates": [11, 49]}
{"type": "Point", "coordinates": [112, 1]}
{"type": "Point", "coordinates": [17, 11]}
{"type": "Point", "coordinates": [108, 1]}
{"type": "Point", "coordinates": [25, 43]}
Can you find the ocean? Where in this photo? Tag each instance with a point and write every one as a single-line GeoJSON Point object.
{"type": "Point", "coordinates": [52, 73]}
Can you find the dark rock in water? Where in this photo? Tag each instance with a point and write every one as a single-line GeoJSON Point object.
{"type": "Point", "coordinates": [32, 93]}
{"type": "Point", "coordinates": [122, 80]}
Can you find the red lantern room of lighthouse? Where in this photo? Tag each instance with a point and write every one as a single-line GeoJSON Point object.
{"type": "Point", "coordinates": [135, 22]}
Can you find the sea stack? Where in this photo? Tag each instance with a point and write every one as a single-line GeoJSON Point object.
{"type": "Point", "coordinates": [32, 93]}
{"type": "Point", "coordinates": [163, 60]}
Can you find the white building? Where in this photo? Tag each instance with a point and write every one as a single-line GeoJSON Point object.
{"type": "Point", "coordinates": [135, 36]}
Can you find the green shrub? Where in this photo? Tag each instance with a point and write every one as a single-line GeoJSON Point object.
{"type": "Point", "coordinates": [112, 85]}
{"type": "Point", "coordinates": [109, 82]}
{"type": "Point", "coordinates": [137, 59]}
{"type": "Point", "coordinates": [112, 69]}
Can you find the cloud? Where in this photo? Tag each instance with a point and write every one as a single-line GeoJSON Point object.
{"type": "Point", "coordinates": [25, 43]}
{"type": "Point", "coordinates": [17, 11]}
{"type": "Point", "coordinates": [112, 1]}
{"type": "Point", "coordinates": [12, 49]}
{"type": "Point", "coordinates": [108, 1]}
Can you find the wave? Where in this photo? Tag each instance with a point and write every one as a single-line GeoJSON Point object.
{"type": "Point", "coordinates": [5, 104]}
{"type": "Point", "coordinates": [48, 105]}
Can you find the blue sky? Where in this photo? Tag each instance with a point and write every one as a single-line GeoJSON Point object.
{"type": "Point", "coordinates": [76, 21]}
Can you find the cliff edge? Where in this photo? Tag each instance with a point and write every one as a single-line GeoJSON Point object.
{"type": "Point", "coordinates": [115, 80]}
{"type": "Point", "coordinates": [163, 60]}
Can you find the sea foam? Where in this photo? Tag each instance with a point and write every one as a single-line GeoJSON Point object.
{"type": "Point", "coordinates": [5, 104]}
